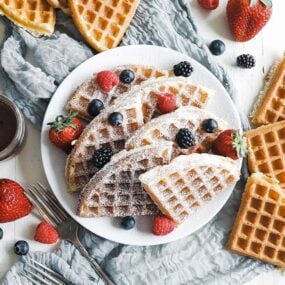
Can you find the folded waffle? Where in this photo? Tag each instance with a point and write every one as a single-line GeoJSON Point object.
{"type": "Point", "coordinates": [138, 106]}
{"type": "Point", "coordinates": [37, 16]}
{"type": "Point", "coordinates": [103, 23]}
{"type": "Point", "coordinates": [259, 229]}
{"type": "Point", "coordinates": [115, 190]}
{"type": "Point", "coordinates": [270, 106]}
{"type": "Point", "coordinates": [266, 150]}
{"type": "Point", "coordinates": [90, 90]}
{"type": "Point", "coordinates": [188, 182]}
{"type": "Point", "coordinates": [60, 4]}
{"type": "Point", "coordinates": [165, 127]}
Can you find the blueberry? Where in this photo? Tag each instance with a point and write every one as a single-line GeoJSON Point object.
{"type": "Point", "coordinates": [95, 107]}
{"type": "Point", "coordinates": [210, 125]}
{"type": "Point", "coordinates": [115, 119]}
{"type": "Point", "coordinates": [1, 233]}
{"type": "Point", "coordinates": [217, 47]}
{"type": "Point", "coordinates": [127, 76]}
{"type": "Point", "coordinates": [128, 223]}
{"type": "Point", "coordinates": [21, 247]}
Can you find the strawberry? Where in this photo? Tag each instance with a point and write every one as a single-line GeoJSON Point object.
{"type": "Point", "coordinates": [45, 233]}
{"type": "Point", "coordinates": [166, 102]}
{"type": "Point", "coordinates": [247, 17]}
{"type": "Point", "coordinates": [107, 80]}
{"type": "Point", "coordinates": [209, 4]}
{"type": "Point", "coordinates": [162, 225]}
{"type": "Point", "coordinates": [230, 143]}
{"type": "Point", "coordinates": [13, 202]}
{"type": "Point", "coordinates": [64, 130]}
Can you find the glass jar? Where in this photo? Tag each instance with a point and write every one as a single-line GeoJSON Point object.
{"type": "Point", "coordinates": [12, 128]}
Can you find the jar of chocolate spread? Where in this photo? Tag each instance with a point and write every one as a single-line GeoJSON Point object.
{"type": "Point", "coordinates": [12, 128]}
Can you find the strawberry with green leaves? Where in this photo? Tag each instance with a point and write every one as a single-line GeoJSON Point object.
{"type": "Point", "coordinates": [64, 130]}
{"type": "Point", "coordinates": [230, 143]}
{"type": "Point", "coordinates": [247, 17]}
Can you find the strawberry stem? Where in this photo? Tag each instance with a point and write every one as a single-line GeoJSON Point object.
{"type": "Point", "coordinates": [240, 144]}
{"type": "Point", "coordinates": [62, 122]}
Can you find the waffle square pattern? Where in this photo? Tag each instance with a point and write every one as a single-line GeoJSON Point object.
{"type": "Point", "coordinates": [259, 229]}
{"type": "Point", "coordinates": [266, 149]}
{"type": "Point", "coordinates": [103, 22]}
{"type": "Point", "coordinates": [188, 182]}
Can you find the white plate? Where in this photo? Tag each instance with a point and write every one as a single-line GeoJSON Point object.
{"type": "Point", "coordinates": [54, 159]}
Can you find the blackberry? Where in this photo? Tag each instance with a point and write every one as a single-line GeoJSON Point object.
{"type": "Point", "coordinates": [184, 138]}
{"type": "Point", "coordinates": [184, 68]}
{"type": "Point", "coordinates": [102, 156]}
{"type": "Point", "coordinates": [245, 61]}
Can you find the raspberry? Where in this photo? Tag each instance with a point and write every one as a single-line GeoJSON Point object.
{"type": "Point", "coordinates": [45, 233]}
{"type": "Point", "coordinates": [162, 225]}
{"type": "Point", "coordinates": [107, 80]}
{"type": "Point", "coordinates": [166, 102]}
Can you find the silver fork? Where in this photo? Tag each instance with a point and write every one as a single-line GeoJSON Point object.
{"type": "Point", "coordinates": [39, 274]}
{"type": "Point", "coordinates": [51, 211]}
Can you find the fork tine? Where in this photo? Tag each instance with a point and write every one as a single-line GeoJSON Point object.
{"type": "Point", "coordinates": [31, 280]}
{"type": "Point", "coordinates": [42, 207]}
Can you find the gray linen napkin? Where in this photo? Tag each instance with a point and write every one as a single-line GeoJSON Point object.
{"type": "Point", "coordinates": [30, 71]}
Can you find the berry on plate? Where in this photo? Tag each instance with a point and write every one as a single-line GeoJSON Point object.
{"type": "Point", "coordinates": [64, 130]}
{"type": "Point", "coordinates": [13, 202]}
{"type": "Point", "coordinates": [231, 144]}
{"type": "Point", "coordinates": [166, 102]}
{"type": "Point", "coordinates": [209, 4]}
{"type": "Point", "coordinates": [217, 47]}
{"type": "Point", "coordinates": [183, 68]}
{"type": "Point", "coordinates": [247, 17]}
{"type": "Point", "coordinates": [115, 119]}
{"type": "Point", "coordinates": [127, 76]}
{"type": "Point", "coordinates": [128, 222]}
{"type": "Point", "coordinates": [107, 80]}
{"type": "Point", "coordinates": [21, 247]}
{"type": "Point", "coordinates": [45, 233]}
{"type": "Point", "coordinates": [1, 233]}
{"type": "Point", "coordinates": [184, 138]}
{"type": "Point", "coordinates": [210, 125]}
{"type": "Point", "coordinates": [95, 107]}
{"type": "Point", "coordinates": [162, 225]}
{"type": "Point", "coordinates": [246, 61]}
{"type": "Point", "coordinates": [102, 156]}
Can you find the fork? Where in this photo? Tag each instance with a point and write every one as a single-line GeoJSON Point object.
{"type": "Point", "coordinates": [39, 274]}
{"type": "Point", "coordinates": [51, 211]}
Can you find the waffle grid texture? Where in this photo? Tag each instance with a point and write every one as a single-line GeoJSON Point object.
{"type": "Point", "coordinates": [270, 107]}
{"type": "Point", "coordinates": [90, 90]}
{"type": "Point", "coordinates": [259, 229]}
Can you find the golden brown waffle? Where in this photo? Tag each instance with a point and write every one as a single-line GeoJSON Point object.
{"type": "Point", "coordinates": [103, 22]}
{"type": "Point", "coordinates": [60, 4]}
{"type": "Point", "coordinates": [188, 182]}
{"type": "Point", "coordinates": [37, 16]}
{"type": "Point", "coordinates": [116, 191]}
{"type": "Point", "coordinates": [137, 106]}
{"type": "Point", "coordinates": [259, 229]}
{"type": "Point", "coordinates": [266, 149]}
{"type": "Point", "coordinates": [165, 127]}
{"type": "Point", "coordinates": [270, 107]}
{"type": "Point", "coordinates": [90, 90]}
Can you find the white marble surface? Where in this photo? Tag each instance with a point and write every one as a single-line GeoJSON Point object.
{"type": "Point", "coordinates": [266, 47]}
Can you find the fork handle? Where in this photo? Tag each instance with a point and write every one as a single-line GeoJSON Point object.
{"type": "Point", "coordinates": [94, 264]}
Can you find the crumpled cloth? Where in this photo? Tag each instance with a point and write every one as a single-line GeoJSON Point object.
{"type": "Point", "coordinates": [31, 69]}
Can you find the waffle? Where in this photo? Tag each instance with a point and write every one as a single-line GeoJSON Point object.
{"type": "Point", "coordinates": [165, 127]}
{"type": "Point", "coordinates": [90, 90]}
{"type": "Point", "coordinates": [188, 183]}
{"type": "Point", "coordinates": [137, 106]}
{"type": "Point", "coordinates": [37, 16]}
{"type": "Point", "coordinates": [103, 22]}
{"type": "Point", "coordinates": [259, 229]}
{"type": "Point", "coordinates": [270, 106]}
{"type": "Point", "coordinates": [266, 149]}
{"type": "Point", "coordinates": [60, 4]}
{"type": "Point", "coordinates": [115, 190]}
